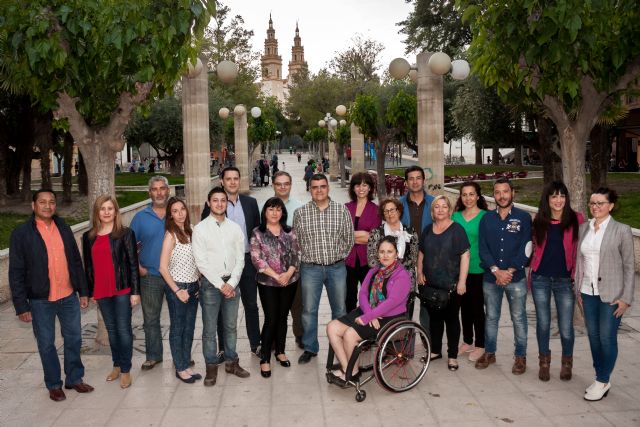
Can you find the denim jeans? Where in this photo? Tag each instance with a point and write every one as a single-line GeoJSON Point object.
{"type": "Point", "coordinates": [517, 298]}
{"type": "Point", "coordinates": [151, 295]}
{"type": "Point", "coordinates": [213, 304]}
{"type": "Point", "coordinates": [44, 314]}
{"type": "Point", "coordinates": [334, 278]}
{"type": "Point", "coordinates": [183, 323]}
{"type": "Point", "coordinates": [602, 329]}
{"type": "Point", "coordinates": [116, 313]}
{"type": "Point", "coordinates": [562, 288]}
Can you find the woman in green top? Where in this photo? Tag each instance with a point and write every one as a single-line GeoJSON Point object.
{"type": "Point", "coordinates": [470, 208]}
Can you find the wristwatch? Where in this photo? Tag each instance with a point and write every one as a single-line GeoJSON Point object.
{"type": "Point", "coordinates": [494, 269]}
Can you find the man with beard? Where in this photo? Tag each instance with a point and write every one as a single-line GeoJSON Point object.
{"type": "Point", "coordinates": [148, 226]}
{"type": "Point", "coordinates": [505, 247]}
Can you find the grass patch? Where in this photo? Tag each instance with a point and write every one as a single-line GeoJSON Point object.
{"type": "Point", "coordinates": [626, 184]}
{"type": "Point", "coordinates": [135, 178]}
{"type": "Point", "coordinates": [126, 198]}
{"type": "Point", "coordinates": [465, 170]}
{"type": "Point", "coordinates": [9, 221]}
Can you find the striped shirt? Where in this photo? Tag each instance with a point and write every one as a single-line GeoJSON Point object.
{"type": "Point", "coordinates": [325, 236]}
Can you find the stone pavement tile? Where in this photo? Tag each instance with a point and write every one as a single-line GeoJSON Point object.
{"type": "Point", "coordinates": [620, 398]}
{"type": "Point", "coordinates": [38, 410]}
{"type": "Point", "coordinates": [105, 395]}
{"type": "Point", "coordinates": [22, 345]}
{"type": "Point", "coordinates": [482, 384]}
{"type": "Point", "coordinates": [509, 406]}
{"type": "Point", "coordinates": [76, 416]}
{"type": "Point", "coordinates": [12, 360]}
{"type": "Point", "coordinates": [406, 413]}
{"type": "Point", "coordinates": [196, 396]}
{"type": "Point", "coordinates": [136, 417]}
{"type": "Point", "coordinates": [246, 395]}
{"type": "Point", "coordinates": [581, 420]}
{"type": "Point", "coordinates": [295, 394]}
{"type": "Point", "coordinates": [192, 417]}
{"type": "Point", "coordinates": [525, 422]}
{"type": "Point", "coordinates": [307, 415]}
{"type": "Point", "coordinates": [559, 402]}
{"type": "Point", "coordinates": [156, 397]}
{"type": "Point", "coordinates": [296, 374]}
{"type": "Point", "coordinates": [352, 413]}
{"type": "Point", "coordinates": [249, 415]}
{"type": "Point", "coordinates": [623, 419]}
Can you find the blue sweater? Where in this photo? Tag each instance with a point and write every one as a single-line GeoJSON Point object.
{"type": "Point", "coordinates": [505, 243]}
{"type": "Point", "coordinates": [149, 231]}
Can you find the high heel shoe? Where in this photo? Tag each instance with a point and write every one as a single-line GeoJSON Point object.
{"type": "Point", "coordinates": [283, 363]}
{"type": "Point", "coordinates": [267, 373]}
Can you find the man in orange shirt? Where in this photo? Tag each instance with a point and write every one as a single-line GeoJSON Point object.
{"type": "Point", "coordinates": [45, 273]}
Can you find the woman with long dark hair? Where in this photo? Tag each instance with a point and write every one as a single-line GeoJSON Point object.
{"type": "Point", "coordinates": [470, 208]}
{"type": "Point", "coordinates": [364, 215]}
{"type": "Point", "coordinates": [178, 269]}
{"type": "Point", "coordinates": [605, 280]}
{"type": "Point", "coordinates": [276, 255]}
{"type": "Point", "coordinates": [555, 242]}
{"type": "Point", "coordinates": [111, 266]}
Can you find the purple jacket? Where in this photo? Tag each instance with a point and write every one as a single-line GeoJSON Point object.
{"type": "Point", "coordinates": [398, 288]}
{"type": "Point", "coordinates": [368, 221]}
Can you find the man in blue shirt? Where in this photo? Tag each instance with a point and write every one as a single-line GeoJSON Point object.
{"type": "Point", "coordinates": [148, 226]}
{"type": "Point", "coordinates": [505, 247]}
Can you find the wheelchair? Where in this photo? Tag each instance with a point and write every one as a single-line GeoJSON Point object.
{"type": "Point", "coordinates": [398, 358]}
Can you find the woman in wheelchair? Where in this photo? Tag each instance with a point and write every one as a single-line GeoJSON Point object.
{"type": "Point", "coordinates": [382, 298]}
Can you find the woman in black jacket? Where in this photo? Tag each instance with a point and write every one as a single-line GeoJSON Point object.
{"type": "Point", "coordinates": [111, 266]}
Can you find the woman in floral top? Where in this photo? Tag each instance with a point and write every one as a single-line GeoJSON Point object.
{"type": "Point", "coordinates": [276, 255]}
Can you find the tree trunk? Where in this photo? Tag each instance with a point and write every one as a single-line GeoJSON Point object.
{"type": "Point", "coordinates": [27, 156]}
{"type": "Point", "coordinates": [478, 155]}
{"type": "Point", "coordinates": [600, 153]}
{"type": "Point", "coordinates": [517, 155]}
{"type": "Point", "coordinates": [4, 167]}
{"type": "Point", "coordinates": [341, 165]}
{"type": "Point", "coordinates": [574, 147]}
{"type": "Point", "coordinates": [495, 155]}
{"type": "Point", "coordinates": [551, 162]}
{"type": "Point", "coordinates": [380, 156]}
{"type": "Point", "coordinates": [67, 167]}
{"type": "Point", "coordinates": [43, 138]}
{"type": "Point", "coordinates": [83, 180]}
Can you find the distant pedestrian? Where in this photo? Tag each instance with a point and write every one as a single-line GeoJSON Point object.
{"type": "Point", "coordinates": [299, 157]}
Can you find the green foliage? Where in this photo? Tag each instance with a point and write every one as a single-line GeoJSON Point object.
{"type": "Point", "coordinates": [343, 135]}
{"type": "Point", "coordinates": [434, 25]}
{"type": "Point", "coordinates": [365, 113]}
{"type": "Point", "coordinates": [261, 130]}
{"type": "Point", "coordinates": [316, 134]}
{"type": "Point", "coordinates": [96, 50]}
{"type": "Point", "coordinates": [402, 113]}
{"type": "Point", "coordinates": [539, 48]}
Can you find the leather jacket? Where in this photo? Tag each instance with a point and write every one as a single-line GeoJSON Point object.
{"type": "Point", "coordinates": [124, 254]}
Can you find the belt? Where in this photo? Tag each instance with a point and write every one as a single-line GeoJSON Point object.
{"type": "Point", "coordinates": [325, 265]}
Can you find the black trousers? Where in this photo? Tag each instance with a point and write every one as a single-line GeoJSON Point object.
{"type": "Point", "coordinates": [296, 312]}
{"type": "Point", "coordinates": [355, 275]}
{"type": "Point", "coordinates": [472, 311]}
{"type": "Point", "coordinates": [276, 303]}
{"type": "Point", "coordinates": [448, 317]}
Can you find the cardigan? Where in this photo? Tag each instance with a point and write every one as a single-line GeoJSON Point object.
{"type": "Point", "coordinates": [368, 221]}
{"type": "Point", "coordinates": [398, 288]}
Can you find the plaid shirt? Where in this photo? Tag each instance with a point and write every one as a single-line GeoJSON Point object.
{"type": "Point", "coordinates": [325, 237]}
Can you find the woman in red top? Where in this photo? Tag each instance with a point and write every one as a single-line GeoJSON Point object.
{"type": "Point", "coordinates": [111, 266]}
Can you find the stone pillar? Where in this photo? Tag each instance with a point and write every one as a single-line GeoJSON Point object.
{"type": "Point", "coordinates": [430, 124]}
{"type": "Point", "coordinates": [195, 131]}
{"type": "Point", "coordinates": [334, 167]}
{"type": "Point", "coordinates": [357, 150]}
{"type": "Point", "coordinates": [242, 146]}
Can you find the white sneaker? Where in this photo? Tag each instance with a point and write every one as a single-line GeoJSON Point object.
{"type": "Point", "coordinates": [598, 391]}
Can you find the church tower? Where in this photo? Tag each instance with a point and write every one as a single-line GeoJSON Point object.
{"type": "Point", "coordinates": [297, 62]}
{"type": "Point", "coordinates": [271, 61]}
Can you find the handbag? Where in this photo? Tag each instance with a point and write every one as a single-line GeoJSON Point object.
{"type": "Point", "coordinates": [435, 298]}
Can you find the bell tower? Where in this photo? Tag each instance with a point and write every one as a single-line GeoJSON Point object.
{"type": "Point", "coordinates": [297, 62]}
{"type": "Point", "coordinates": [271, 62]}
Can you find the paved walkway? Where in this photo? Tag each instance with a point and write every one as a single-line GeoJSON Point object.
{"type": "Point", "coordinates": [300, 396]}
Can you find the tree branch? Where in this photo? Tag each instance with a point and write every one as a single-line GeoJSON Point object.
{"type": "Point", "coordinates": [556, 111]}
{"type": "Point", "coordinates": [632, 73]}
{"type": "Point", "coordinates": [120, 117]}
{"type": "Point", "coordinates": [81, 132]}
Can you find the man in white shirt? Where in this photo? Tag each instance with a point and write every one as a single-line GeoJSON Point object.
{"type": "Point", "coordinates": [218, 247]}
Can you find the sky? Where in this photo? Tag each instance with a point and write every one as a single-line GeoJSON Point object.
{"type": "Point", "coordinates": [325, 26]}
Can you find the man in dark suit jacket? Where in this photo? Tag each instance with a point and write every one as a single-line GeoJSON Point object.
{"type": "Point", "coordinates": [244, 211]}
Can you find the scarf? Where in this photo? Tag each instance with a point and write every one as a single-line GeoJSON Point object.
{"type": "Point", "coordinates": [376, 296]}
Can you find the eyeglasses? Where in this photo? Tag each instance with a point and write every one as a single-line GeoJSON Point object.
{"type": "Point", "coordinates": [282, 184]}
{"type": "Point", "coordinates": [598, 204]}
{"type": "Point", "coordinates": [390, 211]}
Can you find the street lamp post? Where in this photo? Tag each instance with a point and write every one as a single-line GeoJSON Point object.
{"type": "Point", "coordinates": [428, 74]}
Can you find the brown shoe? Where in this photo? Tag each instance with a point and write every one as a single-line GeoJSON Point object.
{"type": "Point", "coordinates": [235, 369]}
{"type": "Point", "coordinates": [81, 387]}
{"type": "Point", "coordinates": [565, 369]}
{"type": "Point", "coordinates": [212, 375]}
{"type": "Point", "coordinates": [545, 362]}
{"type": "Point", "coordinates": [485, 360]}
{"type": "Point", "coordinates": [57, 395]}
{"type": "Point", "coordinates": [115, 373]}
{"type": "Point", "coordinates": [519, 365]}
{"type": "Point", "coordinates": [125, 380]}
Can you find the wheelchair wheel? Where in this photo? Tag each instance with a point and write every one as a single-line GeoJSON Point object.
{"type": "Point", "coordinates": [402, 357]}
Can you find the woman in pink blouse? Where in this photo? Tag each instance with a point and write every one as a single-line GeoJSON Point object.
{"type": "Point", "coordinates": [276, 255]}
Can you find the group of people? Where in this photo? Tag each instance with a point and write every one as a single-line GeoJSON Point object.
{"type": "Point", "coordinates": [461, 259]}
